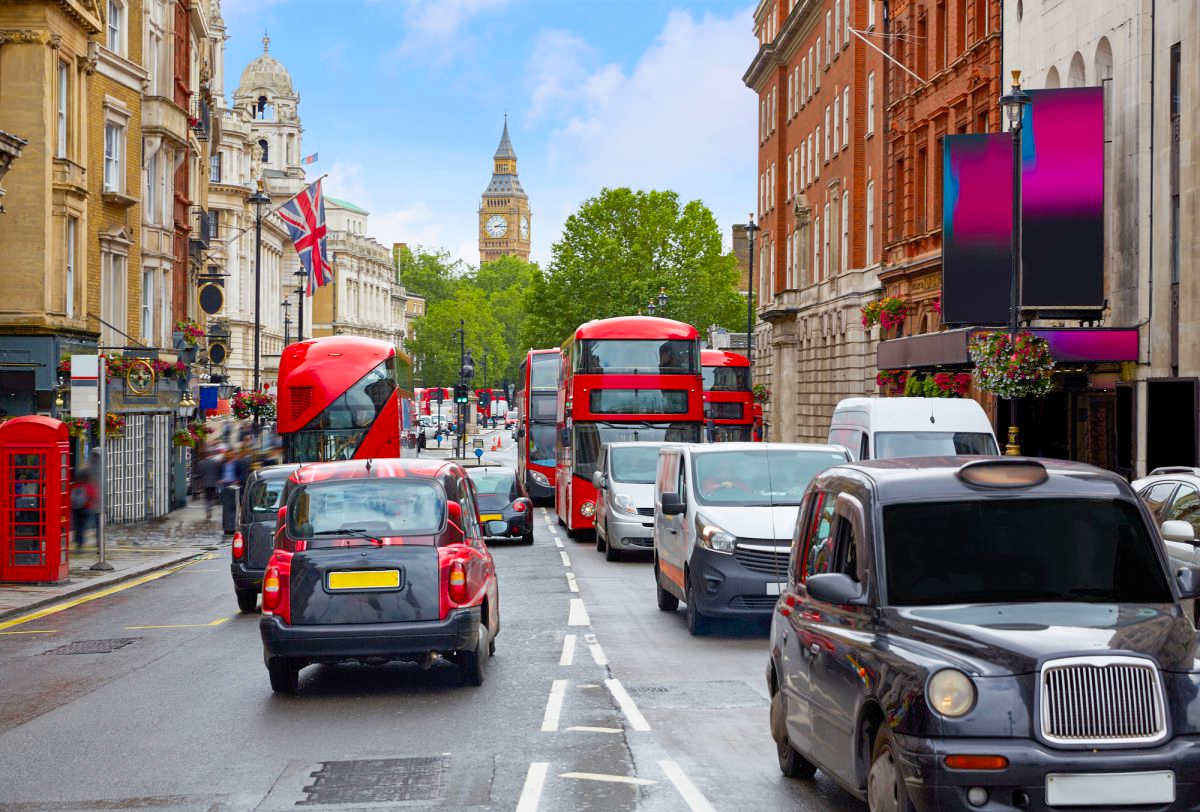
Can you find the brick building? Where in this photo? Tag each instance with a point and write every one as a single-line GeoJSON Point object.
{"type": "Point", "coordinates": [820, 175]}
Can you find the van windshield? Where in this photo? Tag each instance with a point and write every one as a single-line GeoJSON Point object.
{"type": "Point", "coordinates": [890, 444]}
{"type": "Point", "coordinates": [759, 477]}
{"type": "Point", "coordinates": [634, 464]}
{"type": "Point", "coordinates": [355, 511]}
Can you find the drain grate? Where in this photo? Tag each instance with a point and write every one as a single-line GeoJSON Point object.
{"type": "Point", "coordinates": [93, 646]}
{"type": "Point", "coordinates": [380, 780]}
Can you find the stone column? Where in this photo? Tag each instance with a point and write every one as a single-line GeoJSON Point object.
{"type": "Point", "coordinates": [786, 390]}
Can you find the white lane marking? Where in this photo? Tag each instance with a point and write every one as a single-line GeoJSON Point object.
{"type": "Point", "coordinates": [565, 558]}
{"type": "Point", "coordinates": [579, 615]}
{"type": "Point", "coordinates": [636, 720]}
{"type": "Point", "coordinates": [612, 779]}
{"type": "Point", "coordinates": [574, 587]}
{"type": "Point", "coordinates": [693, 797]}
{"type": "Point", "coordinates": [558, 543]}
{"type": "Point", "coordinates": [554, 705]}
{"type": "Point", "coordinates": [568, 652]}
{"type": "Point", "coordinates": [594, 648]}
{"type": "Point", "coordinates": [531, 793]}
{"type": "Point", "coordinates": [586, 729]}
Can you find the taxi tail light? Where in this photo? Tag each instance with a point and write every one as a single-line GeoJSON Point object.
{"type": "Point", "coordinates": [457, 582]}
{"type": "Point", "coordinates": [519, 506]}
{"type": "Point", "coordinates": [239, 546]}
{"type": "Point", "coordinates": [271, 589]}
{"type": "Point", "coordinates": [973, 762]}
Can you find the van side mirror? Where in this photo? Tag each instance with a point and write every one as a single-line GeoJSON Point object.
{"type": "Point", "coordinates": [673, 504]}
{"type": "Point", "coordinates": [1189, 582]}
{"type": "Point", "coordinates": [599, 481]}
{"type": "Point", "coordinates": [1178, 531]}
{"type": "Point", "coordinates": [835, 588]}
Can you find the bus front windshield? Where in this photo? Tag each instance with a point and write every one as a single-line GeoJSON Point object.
{"type": "Point", "coordinates": [590, 439]}
{"type": "Point", "coordinates": [337, 431]}
{"type": "Point", "coordinates": [637, 357]}
{"type": "Point", "coordinates": [542, 437]}
{"type": "Point", "coordinates": [726, 379]}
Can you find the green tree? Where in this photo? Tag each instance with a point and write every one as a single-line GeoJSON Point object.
{"type": "Point", "coordinates": [505, 281]}
{"type": "Point", "coordinates": [435, 344]}
{"type": "Point", "coordinates": [433, 275]}
{"type": "Point", "coordinates": [618, 250]}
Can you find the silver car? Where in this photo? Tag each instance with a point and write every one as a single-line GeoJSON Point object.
{"type": "Point", "coordinates": [1173, 496]}
{"type": "Point", "coordinates": [624, 481]}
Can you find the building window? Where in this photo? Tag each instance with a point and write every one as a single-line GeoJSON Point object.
{"type": "Point", "coordinates": [791, 97]}
{"type": "Point", "coordinates": [114, 156]}
{"type": "Point", "coordinates": [150, 204]}
{"type": "Point", "coordinates": [937, 181]}
{"type": "Point", "coordinates": [846, 25]}
{"type": "Point", "coordinates": [116, 27]}
{"type": "Point", "coordinates": [265, 148]}
{"type": "Point", "coordinates": [147, 325]}
{"type": "Point", "coordinates": [113, 301]}
{"type": "Point", "coordinates": [920, 190]}
{"type": "Point", "coordinates": [64, 86]}
{"type": "Point", "coordinates": [870, 14]}
{"type": "Point", "coordinates": [72, 224]}
{"type": "Point", "coordinates": [825, 244]}
{"type": "Point", "coordinates": [943, 35]}
{"type": "Point", "coordinates": [796, 170]}
{"type": "Point", "coordinates": [816, 72]}
{"type": "Point", "coordinates": [845, 218]}
{"type": "Point", "coordinates": [871, 103]}
{"type": "Point", "coordinates": [870, 220]}
{"type": "Point", "coordinates": [214, 225]}
{"type": "Point", "coordinates": [846, 116]}
{"type": "Point", "coordinates": [828, 153]}
{"type": "Point", "coordinates": [214, 168]}
{"type": "Point", "coordinates": [837, 122]}
{"type": "Point", "coordinates": [960, 26]}
{"type": "Point", "coordinates": [837, 25]}
{"type": "Point", "coordinates": [817, 143]}
{"type": "Point", "coordinates": [828, 37]}
{"type": "Point", "coordinates": [164, 309]}
{"type": "Point", "coordinates": [787, 268]}
{"type": "Point", "coordinates": [788, 176]}
{"type": "Point", "coordinates": [812, 159]}
{"type": "Point", "coordinates": [804, 78]}
{"type": "Point", "coordinates": [803, 164]}
{"type": "Point", "coordinates": [797, 77]}
{"type": "Point", "coordinates": [816, 266]}
{"type": "Point", "coordinates": [923, 47]}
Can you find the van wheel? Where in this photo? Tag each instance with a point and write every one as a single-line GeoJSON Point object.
{"type": "Point", "coordinates": [601, 544]}
{"type": "Point", "coordinates": [612, 554]}
{"type": "Point", "coordinates": [697, 623]}
{"type": "Point", "coordinates": [285, 675]}
{"type": "Point", "coordinates": [666, 601]}
{"type": "Point", "coordinates": [791, 763]}
{"type": "Point", "coordinates": [885, 785]}
{"type": "Point", "coordinates": [470, 663]}
{"type": "Point", "coordinates": [247, 599]}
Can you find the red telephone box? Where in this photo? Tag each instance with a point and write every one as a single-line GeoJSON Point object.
{"type": "Point", "coordinates": [35, 500]}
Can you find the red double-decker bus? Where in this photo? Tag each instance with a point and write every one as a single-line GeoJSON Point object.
{"type": "Point", "coordinates": [626, 378]}
{"type": "Point", "coordinates": [537, 418]}
{"type": "Point", "coordinates": [340, 399]}
{"type": "Point", "coordinates": [429, 401]}
{"type": "Point", "coordinates": [728, 400]}
{"type": "Point", "coordinates": [497, 402]}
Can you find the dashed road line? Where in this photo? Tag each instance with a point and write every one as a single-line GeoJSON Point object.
{"type": "Point", "coordinates": [626, 703]}
{"type": "Point", "coordinates": [531, 792]}
{"type": "Point", "coordinates": [612, 779]}
{"type": "Point", "coordinates": [558, 543]}
{"type": "Point", "coordinates": [574, 587]}
{"type": "Point", "coordinates": [554, 706]}
{"type": "Point", "coordinates": [568, 652]}
{"type": "Point", "coordinates": [586, 729]}
{"type": "Point", "coordinates": [594, 647]}
{"type": "Point", "coordinates": [579, 615]}
{"type": "Point", "coordinates": [691, 796]}
{"type": "Point", "coordinates": [565, 558]}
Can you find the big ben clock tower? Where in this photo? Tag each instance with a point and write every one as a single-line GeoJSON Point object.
{"type": "Point", "coordinates": [504, 209]}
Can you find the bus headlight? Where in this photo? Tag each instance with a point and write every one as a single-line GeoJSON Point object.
{"type": "Point", "coordinates": [587, 510]}
{"type": "Point", "coordinates": [623, 503]}
{"type": "Point", "coordinates": [712, 537]}
{"type": "Point", "coordinates": [539, 478]}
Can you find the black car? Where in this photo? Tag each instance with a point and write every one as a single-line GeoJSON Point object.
{"type": "Point", "coordinates": [254, 539]}
{"type": "Point", "coordinates": [995, 634]}
{"type": "Point", "coordinates": [500, 500]}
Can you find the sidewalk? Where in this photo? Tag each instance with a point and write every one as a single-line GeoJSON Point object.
{"type": "Point", "coordinates": [132, 549]}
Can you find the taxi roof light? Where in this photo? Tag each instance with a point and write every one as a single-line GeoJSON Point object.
{"type": "Point", "coordinates": [1003, 473]}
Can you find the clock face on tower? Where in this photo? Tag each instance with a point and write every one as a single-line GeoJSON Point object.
{"type": "Point", "coordinates": [524, 227]}
{"type": "Point", "coordinates": [496, 226]}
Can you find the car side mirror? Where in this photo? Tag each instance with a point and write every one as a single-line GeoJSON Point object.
{"type": "Point", "coordinates": [835, 588]}
{"type": "Point", "coordinates": [1178, 531]}
{"type": "Point", "coordinates": [1189, 582]}
{"type": "Point", "coordinates": [673, 504]}
{"type": "Point", "coordinates": [598, 480]}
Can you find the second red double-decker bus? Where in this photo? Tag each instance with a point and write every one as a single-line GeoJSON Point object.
{"type": "Point", "coordinates": [537, 416]}
{"type": "Point", "coordinates": [431, 406]}
{"type": "Point", "coordinates": [626, 378]}
{"type": "Point", "coordinates": [340, 399]}
{"type": "Point", "coordinates": [728, 400]}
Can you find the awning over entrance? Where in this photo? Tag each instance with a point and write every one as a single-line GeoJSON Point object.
{"type": "Point", "coordinates": [1067, 345]}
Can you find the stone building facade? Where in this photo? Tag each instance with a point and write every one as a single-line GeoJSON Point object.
{"type": "Point", "coordinates": [819, 193]}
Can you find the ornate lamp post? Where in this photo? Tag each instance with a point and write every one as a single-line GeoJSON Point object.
{"type": "Point", "coordinates": [657, 303]}
{"type": "Point", "coordinates": [287, 321]}
{"type": "Point", "coordinates": [301, 280]}
{"type": "Point", "coordinates": [259, 199]}
{"type": "Point", "coordinates": [751, 228]}
{"type": "Point", "coordinates": [1013, 105]}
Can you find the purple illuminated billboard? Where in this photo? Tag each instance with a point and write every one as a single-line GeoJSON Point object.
{"type": "Point", "coordinates": [976, 228]}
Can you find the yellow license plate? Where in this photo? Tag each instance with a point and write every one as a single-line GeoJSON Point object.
{"type": "Point", "coordinates": [490, 517]}
{"type": "Point", "coordinates": [364, 579]}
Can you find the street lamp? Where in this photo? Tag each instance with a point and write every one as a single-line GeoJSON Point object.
{"type": "Point", "coordinates": [750, 229]}
{"type": "Point", "coordinates": [259, 199]}
{"type": "Point", "coordinates": [287, 321]}
{"type": "Point", "coordinates": [302, 278]}
{"type": "Point", "coordinates": [662, 298]}
{"type": "Point", "coordinates": [1013, 104]}
{"type": "Point", "coordinates": [187, 405]}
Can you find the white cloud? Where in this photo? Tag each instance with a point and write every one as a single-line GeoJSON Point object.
{"type": "Point", "coordinates": [435, 30]}
{"type": "Point", "coordinates": [345, 181]}
{"type": "Point", "coordinates": [559, 64]}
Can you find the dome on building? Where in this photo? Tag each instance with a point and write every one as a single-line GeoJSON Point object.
{"type": "Point", "coordinates": [265, 72]}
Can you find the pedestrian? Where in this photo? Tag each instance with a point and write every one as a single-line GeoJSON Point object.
{"type": "Point", "coordinates": [85, 499]}
{"type": "Point", "coordinates": [210, 477]}
{"type": "Point", "coordinates": [243, 465]}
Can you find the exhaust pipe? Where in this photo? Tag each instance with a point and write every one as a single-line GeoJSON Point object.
{"type": "Point", "coordinates": [429, 660]}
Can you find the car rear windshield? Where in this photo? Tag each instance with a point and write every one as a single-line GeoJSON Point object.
{"type": "Point", "coordinates": [354, 511]}
{"type": "Point", "coordinates": [890, 444]}
{"type": "Point", "coordinates": [1009, 550]}
{"type": "Point", "coordinates": [264, 495]}
{"type": "Point", "coordinates": [495, 482]}
{"type": "Point", "coordinates": [762, 476]}
{"type": "Point", "coordinates": [634, 464]}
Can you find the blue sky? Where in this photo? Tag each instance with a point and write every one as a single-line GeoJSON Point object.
{"type": "Point", "coordinates": [405, 99]}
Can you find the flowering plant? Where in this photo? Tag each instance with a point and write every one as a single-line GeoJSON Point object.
{"type": "Point", "coordinates": [191, 436]}
{"type": "Point", "coordinates": [77, 427]}
{"type": "Point", "coordinates": [892, 378]}
{"type": "Point", "coordinates": [114, 425]}
{"type": "Point", "coordinates": [761, 393]}
{"type": "Point", "coordinates": [64, 366]}
{"type": "Point", "coordinates": [889, 312]}
{"type": "Point", "coordinates": [260, 404]}
{"type": "Point", "coordinates": [1010, 369]}
{"type": "Point", "coordinates": [192, 331]}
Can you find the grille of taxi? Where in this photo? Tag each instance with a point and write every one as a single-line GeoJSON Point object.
{"type": "Point", "coordinates": [1102, 700]}
{"type": "Point", "coordinates": [770, 561]}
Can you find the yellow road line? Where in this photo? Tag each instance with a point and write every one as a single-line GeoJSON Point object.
{"type": "Point", "coordinates": [34, 631]}
{"type": "Point", "coordinates": [216, 622]}
{"type": "Point", "coordinates": [104, 593]}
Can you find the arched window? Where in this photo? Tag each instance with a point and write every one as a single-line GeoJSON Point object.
{"type": "Point", "coordinates": [1104, 61]}
{"type": "Point", "coordinates": [1052, 80]}
{"type": "Point", "coordinates": [264, 146]}
{"type": "Point", "coordinates": [1077, 76]}
{"type": "Point", "coordinates": [262, 110]}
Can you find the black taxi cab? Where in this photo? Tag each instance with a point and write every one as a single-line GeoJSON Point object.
{"type": "Point", "coordinates": [375, 561]}
{"type": "Point", "coordinates": [994, 634]}
{"type": "Point", "coordinates": [254, 540]}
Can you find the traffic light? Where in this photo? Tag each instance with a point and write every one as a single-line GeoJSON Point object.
{"type": "Point", "coordinates": [440, 394]}
{"type": "Point", "coordinates": [460, 393]}
{"type": "Point", "coordinates": [485, 400]}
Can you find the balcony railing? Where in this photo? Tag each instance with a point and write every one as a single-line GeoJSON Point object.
{"type": "Point", "coordinates": [200, 117]}
{"type": "Point", "coordinates": [200, 238]}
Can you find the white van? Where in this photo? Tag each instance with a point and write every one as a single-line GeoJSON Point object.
{"type": "Point", "coordinates": [724, 519]}
{"type": "Point", "coordinates": [883, 428]}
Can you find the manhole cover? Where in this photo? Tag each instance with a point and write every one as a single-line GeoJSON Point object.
{"type": "Point", "coordinates": [93, 646]}
{"type": "Point", "coordinates": [380, 780]}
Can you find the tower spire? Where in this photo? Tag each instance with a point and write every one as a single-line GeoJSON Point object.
{"type": "Point", "coordinates": [505, 150]}
{"type": "Point", "coordinates": [266, 41]}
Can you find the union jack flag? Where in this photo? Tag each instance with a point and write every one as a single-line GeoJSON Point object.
{"type": "Point", "coordinates": [304, 216]}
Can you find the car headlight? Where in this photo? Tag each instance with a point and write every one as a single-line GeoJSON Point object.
{"type": "Point", "coordinates": [623, 503]}
{"type": "Point", "coordinates": [712, 537]}
{"type": "Point", "coordinates": [587, 510]}
{"type": "Point", "coordinates": [540, 478]}
{"type": "Point", "coordinates": [950, 693]}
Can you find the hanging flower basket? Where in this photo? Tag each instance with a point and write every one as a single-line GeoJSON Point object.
{"type": "Point", "coordinates": [64, 366]}
{"type": "Point", "coordinates": [192, 331]}
{"type": "Point", "coordinates": [889, 312]}
{"type": "Point", "coordinates": [260, 404]}
{"type": "Point", "coordinates": [183, 438]}
{"type": "Point", "coordinates": [77, 427]}
{"type": "Point", "coordinates": [893, 380]}
{"type": "Point", "coordinates": [1012, 371]}
{"type": "Point", "coordinates": [761, 394]}
{"type": "Point", "coordinates": [114, 425]}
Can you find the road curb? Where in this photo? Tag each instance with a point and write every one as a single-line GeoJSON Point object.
{"type": "Point", "coordinates": [95, 586]}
